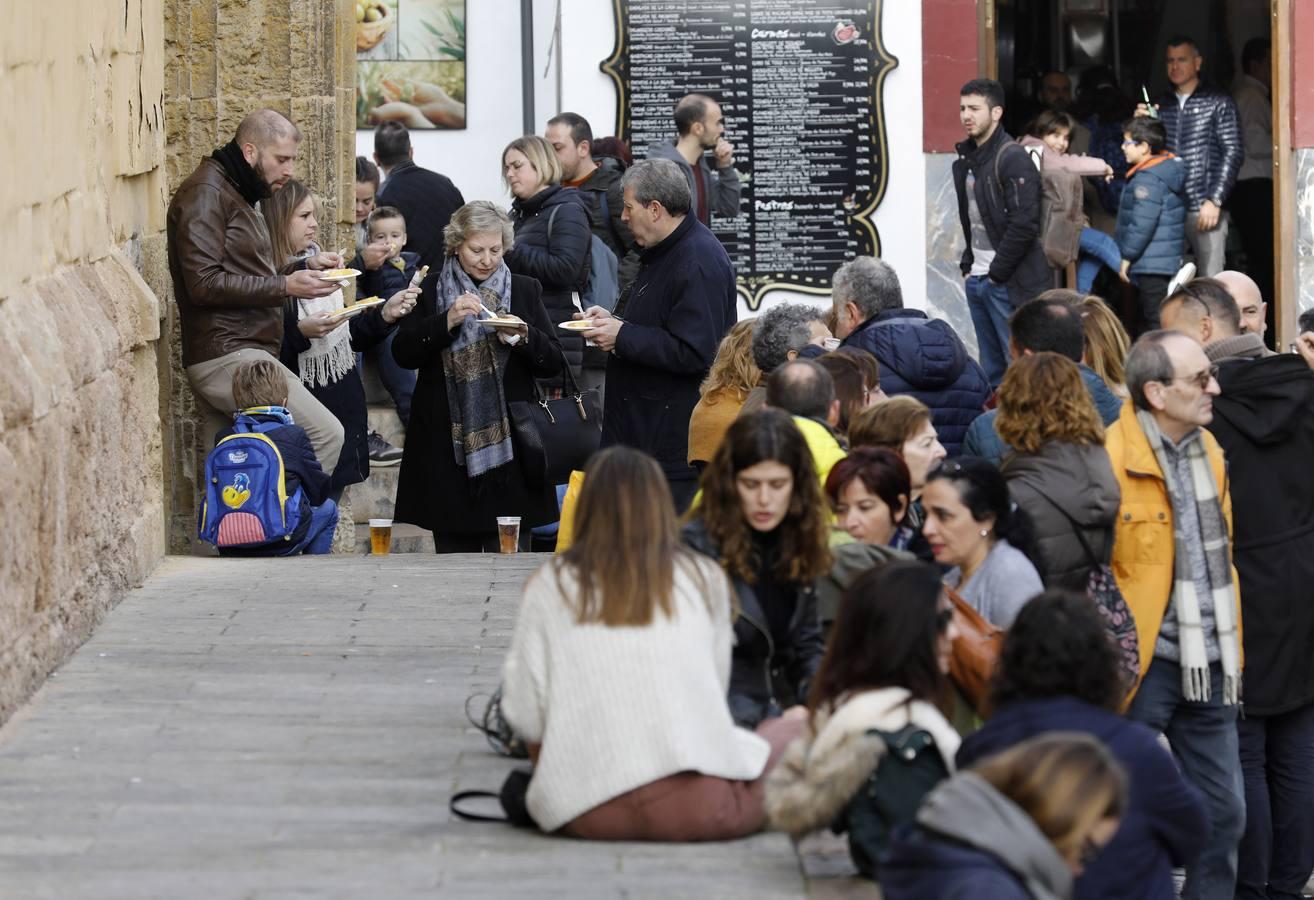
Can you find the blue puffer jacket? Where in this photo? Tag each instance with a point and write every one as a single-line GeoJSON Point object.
{"type": "Point", "coordinates": [1205, 133]}
{"type": "Point", "coordinates": [925, 358]}
{"type": "Point", "coordinates": [1151, 230]}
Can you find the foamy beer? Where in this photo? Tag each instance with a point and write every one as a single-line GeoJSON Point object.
{"type": "Point", "coordinates": [380, 536]}
{"type": "Point", "coordinates": [508, 534]}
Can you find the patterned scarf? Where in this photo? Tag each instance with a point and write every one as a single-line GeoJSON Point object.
{"type": "Point", "coordinates": [473, 366]}
{"type": "Point", "coordinates": [330, 357]}
{"type": "Point", "coordinates": [1213, 533]}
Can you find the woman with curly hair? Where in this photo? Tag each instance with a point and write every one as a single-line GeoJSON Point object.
{"type": "Point", "coordinates": [763, 518]}
{"type": "Point", "coordinates": [1059, 473]}
{"type": "Point", "coordinates": [1058, 671]}
{"type": "Point", "coordinates": [723, 392]}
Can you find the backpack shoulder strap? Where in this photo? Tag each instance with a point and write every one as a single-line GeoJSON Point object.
{"type": "Point", "coordinates": [552, 217]}
{"type": "Point", "coordinates": [1076, 528]}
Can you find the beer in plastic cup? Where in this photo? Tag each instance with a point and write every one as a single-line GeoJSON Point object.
{"type": "Point", "coordinates": [508, 534]}
{"type": "Point", "coordinates": [380, 536]}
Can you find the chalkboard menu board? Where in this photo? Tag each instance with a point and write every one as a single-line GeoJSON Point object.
{"type": "Point", "coordinates": [799, 83]}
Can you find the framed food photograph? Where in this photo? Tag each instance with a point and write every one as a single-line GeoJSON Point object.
{"type": "Point", "coordinates": [410, 63]}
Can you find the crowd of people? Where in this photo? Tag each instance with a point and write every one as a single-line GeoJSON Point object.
{"type": "Point", "coordinates": [801, 532]}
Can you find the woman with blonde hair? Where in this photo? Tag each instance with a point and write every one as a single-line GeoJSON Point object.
{"type": "Point", "coordinates": [1059, 472]}
{"type": "Point", "coordinates": [1021, 825]}
{"type": "Point", "coordinates": [553, 242]}
{"type": "Point", "coordinates": [732, 376]}
{"type": "Point", "coordinates": [618, 671]}
{"type": "Point", "coordinates": [460, 469]}
{"type": "Point", "coordinates": [1107, 343]}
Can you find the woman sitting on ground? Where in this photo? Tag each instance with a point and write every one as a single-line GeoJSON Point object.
{"type": "Point", "coordinates": [868, 492]}
{"type": "Point", "coordinates": [876, 690]}
{"type": "Point", "coordinates": [1058, 671]}
{"type": "Point", "coordinates": [763, 519]}
{"type": "Point", "coordinates": [723, 392]}
{"type": "Point", "coordinates": [903, 424]}
{"type": "Point", "coordinates": [1058, 473]}
{"type": "Point", "coordinates": [1019, 826]}
{"type": "Point", "coordinates": [618, 671]}
{"type": "Point", "coordinates": [973, 525]}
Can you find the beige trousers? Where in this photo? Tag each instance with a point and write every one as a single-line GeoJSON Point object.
{"type": "Point", "coordinates": [212, 382]}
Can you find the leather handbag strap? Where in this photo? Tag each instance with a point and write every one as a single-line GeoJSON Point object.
{"type": "Point", "coordinates": [1078, 530]}
{"type": "Point", "coordinates": [475, 817]}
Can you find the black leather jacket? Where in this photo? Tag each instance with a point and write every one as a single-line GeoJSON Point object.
{"type": "Point", "coordinates": [1206, 133]}
{"type": "Point", "coordinates": [766, 677]}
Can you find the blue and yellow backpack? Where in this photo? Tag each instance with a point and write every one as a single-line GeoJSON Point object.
{"type": "Point", "coordinates": [246, 502]}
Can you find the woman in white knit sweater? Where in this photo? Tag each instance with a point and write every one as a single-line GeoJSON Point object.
{"type": "Point", "coordinates": [617, 677]}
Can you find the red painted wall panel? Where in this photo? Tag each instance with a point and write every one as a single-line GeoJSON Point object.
{"type": "Point", "coordinates": [949, 60]}
{"type": "Point", "coordinates": [1302, 74]}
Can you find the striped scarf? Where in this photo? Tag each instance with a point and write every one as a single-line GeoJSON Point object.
{"type": "Point", "coordinates": [1217, 550]}
{"type": "Point", "coordinates": [473, 366]}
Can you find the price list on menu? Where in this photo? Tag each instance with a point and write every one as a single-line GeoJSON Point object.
{"type": "Point", "coordinates": [799, 83]}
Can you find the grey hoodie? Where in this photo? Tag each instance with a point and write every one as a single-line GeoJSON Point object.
{"type": "Point", "coordinates": [969, 810]}
{"type": "Point", "coordinates": [723, 185]}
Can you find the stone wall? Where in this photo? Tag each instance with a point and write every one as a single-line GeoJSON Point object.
{"type": "Point", "coordinates": [81, 514]}
{"type": "Point", "coordinates": [225, 58]}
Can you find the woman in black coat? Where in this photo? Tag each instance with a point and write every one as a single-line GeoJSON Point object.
{"type": "Point", "coordinates": [553, 239]}
{"type": "Point", "coordinates": [458, 488]}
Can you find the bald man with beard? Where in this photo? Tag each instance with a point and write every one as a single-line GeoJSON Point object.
{"type": "Point", "coordinates": [229, 289]}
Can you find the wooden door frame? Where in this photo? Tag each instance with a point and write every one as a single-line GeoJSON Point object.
{"type": "Point", "coordinates": [987, 46]}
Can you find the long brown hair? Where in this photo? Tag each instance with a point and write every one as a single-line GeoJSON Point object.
{"type": "Point", "coordinates": [627, 542]}
{"type": "Point", "coordinates": [1065, 781]}
{"type": "Point", "coordinates": [768, 435]}
{"type": "Point", "coordinates": [278, 211]}
{"type": "Point", "coordinates": [733, 369]}
{"type": "Point", "coordinates": [1041, 399]}
{"type": "Point", "coordinates": [890, 423]}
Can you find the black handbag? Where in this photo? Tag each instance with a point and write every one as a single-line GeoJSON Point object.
{"type": "Point", "coordinates": [511, 798]}
{"type": "Point", "coordinates": [553, 438]}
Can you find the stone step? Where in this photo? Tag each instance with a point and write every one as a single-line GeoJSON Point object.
{"type": "Point", "coordinates": [375, 497]}
{"type": "Point", "coordinates": [405, 539]}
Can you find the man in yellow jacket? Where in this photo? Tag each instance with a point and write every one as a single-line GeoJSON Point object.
{"type": "Point", "coordinates": [1172, 560]}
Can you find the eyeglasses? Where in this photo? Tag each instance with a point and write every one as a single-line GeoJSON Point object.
{"type": "Point", "coordinates": [1130, 143]}
{"type": "Point", "coordinates": [1201, 379]}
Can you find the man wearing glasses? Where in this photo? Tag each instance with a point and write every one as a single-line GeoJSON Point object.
{"type": "Point", "coordinates": [1172, 560]}
{"type": "Point", "coordinates": [1262, 421]}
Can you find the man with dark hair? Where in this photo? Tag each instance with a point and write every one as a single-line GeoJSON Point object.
{"type": "Point", "coordinates": [1262, 421]}
{"type": "Point", "coordinates": [1042, 326]}
{"type": "Point", "coordinates": [1203, 130]}
{"type": "Point", "coordinates": [1055, 93]}
{"type": "Point", "coordinates": [701, 127]}
{"type": "Point", "coordinates": [923, 358]}
{"type": "Point", "coordinates": [598, 182]}
{"type": "Point", "coordinates": [229, 291]}
{"type": "Point", "coordinates": [805, 390]}
{"type": "Point", "coordinates": [667, 326]}
{"type": "Point", "coordinates": [998, 190]}
{"type": "Point", "coordinates": [1251, 203]}
{"type": "Point", "coordinates": [1172, 560]}
{"type": "Point", "coordinates": [425, 199]}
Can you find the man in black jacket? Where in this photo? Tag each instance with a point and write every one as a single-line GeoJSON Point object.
{"type": "Point", "coordinates": [668, 324]}
{"type": "Point", "coordinates": [426, 199]}
{"type": "Point", "coordinates": [1262, 421]}
{"type": "Point", "coordinates": [1204, 130]}
{"type": "Point", "coordinates": [599, 183]}
{"type": "Point", "coordinates": [999, 192]}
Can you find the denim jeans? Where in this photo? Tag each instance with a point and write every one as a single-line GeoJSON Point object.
{"type": "Point", "coordinates": [1204, 741]}
{"type": "Point", "coordinates": [1277, 759]}
{"type": "Point", "coordinates": [990, 308]}
{"type": "Point", "coordinates": [319, 537]}
{"type": "Point", "coordinates": [399, 381]}
{"type": "Point", "coordinates": [1097, 249]}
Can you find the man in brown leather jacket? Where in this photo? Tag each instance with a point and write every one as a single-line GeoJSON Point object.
{"type": "Point", "coordinates": [230, 293]}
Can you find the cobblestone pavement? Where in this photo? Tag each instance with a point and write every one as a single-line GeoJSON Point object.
{"type": "Point", "coordinates": [293, 729]}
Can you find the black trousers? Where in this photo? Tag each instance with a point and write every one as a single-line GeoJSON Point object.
{"type": "Point", "coordinates": [1276, 855]}
{"type": "Point", "coordinates": [1251, 204]}
{"type": "Point", "coordinates": [1150, 290]}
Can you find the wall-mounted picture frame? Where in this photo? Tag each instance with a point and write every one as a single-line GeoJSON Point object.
{"type": "Point", "coordinates": [410, 63]}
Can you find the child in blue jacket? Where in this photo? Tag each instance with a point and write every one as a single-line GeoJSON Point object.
{"type": "Point", "coordinates": [387, 225]}
{"type": "Point", "coordinates": [1151, 230]}
{"type": "Point", "coordinates": [260, 395]}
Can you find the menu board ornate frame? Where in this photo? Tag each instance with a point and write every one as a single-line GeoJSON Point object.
{"type": "Point", "coordinates": [805, 77]}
